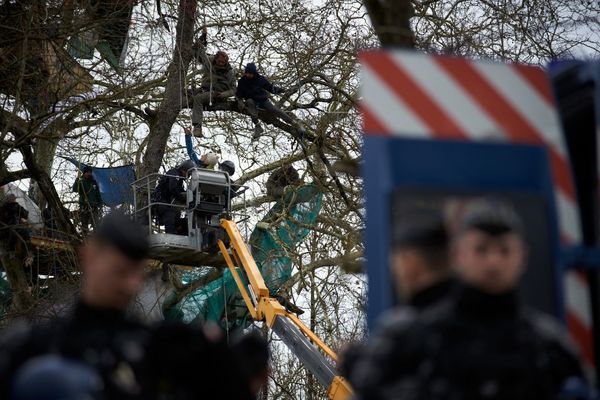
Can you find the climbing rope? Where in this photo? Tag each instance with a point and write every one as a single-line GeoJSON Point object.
{"type": "Point", "coordinates": [184, 79]}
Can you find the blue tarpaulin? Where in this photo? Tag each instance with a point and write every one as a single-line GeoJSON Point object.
{"type": "Point", "coordinates": [114, 182]}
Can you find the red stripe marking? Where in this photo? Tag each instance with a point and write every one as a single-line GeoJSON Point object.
{"type": "Point", "coordinates": [436, 119]}
{"type": "Point", "coordinates": [582, 336]}
{"type": "Point", "coordinates": [537, 79]}
{"type": "Point", "coordinates": [372, 125]}
{"type": "Point", "coordinates": [505, 115]}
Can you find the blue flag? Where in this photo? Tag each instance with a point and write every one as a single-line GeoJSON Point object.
{"type": "Point", "coordinates": [114, 182]}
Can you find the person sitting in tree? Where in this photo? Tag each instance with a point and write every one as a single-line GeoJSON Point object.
{"type": "Point", "coordinates": [254, 89]}
{"type": "Point", "coordinates": [217, 82]}
{"type": "Point", "coordinates": [90, 202]}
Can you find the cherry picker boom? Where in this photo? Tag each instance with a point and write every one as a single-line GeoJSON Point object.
{"type": "Point", "coordinates": [209, 228]}
{"type": "Point", "coordinates": [288, 327]}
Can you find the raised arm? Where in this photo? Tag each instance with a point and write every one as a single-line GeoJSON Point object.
{"type": "Point", "coordinates": [190, 147]}
{"type": "Point", "coordinates": [200, 49]}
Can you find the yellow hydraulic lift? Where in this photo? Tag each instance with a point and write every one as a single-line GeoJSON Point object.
{"type": "Point", "coordinates": [288, 327]}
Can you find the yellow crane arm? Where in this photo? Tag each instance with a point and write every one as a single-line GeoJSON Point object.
{"type": "Point", "coordinates": [303, 342]}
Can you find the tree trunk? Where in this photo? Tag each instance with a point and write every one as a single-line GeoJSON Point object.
{"type": "Point", "coordinates": [391, 21]}
{"type": "Point", "coordinates": [47, 188]}
{"type": "Point", "coordinates": [168, 110]}
{"type": "Point", "coordinates": [13, 266]}
{"type": "Point", "coordinates": [45, 151]}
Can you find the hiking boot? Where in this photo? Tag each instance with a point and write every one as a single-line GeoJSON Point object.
{"type": "Point", "coordinates": [258, 130]}
{"type": "Point", "coordinates": [197, 131]}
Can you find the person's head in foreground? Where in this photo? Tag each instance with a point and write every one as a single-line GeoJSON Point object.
{"type": "Point", "coordinates": [419, 255]}
{"type": "Point", "coordinates": [490, 251]}
{"type": "Point", "coordinates": [113, 261]}
{"type": "Point", "coordinates": [53, 377]}
{"type": "Point", "coordinates": [252, 353]}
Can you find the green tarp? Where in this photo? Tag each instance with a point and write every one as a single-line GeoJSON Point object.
{"type": "Point", "coordinates": [290, 221]}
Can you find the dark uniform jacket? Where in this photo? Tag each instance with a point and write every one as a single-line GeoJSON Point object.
{"type": "Point", "coordinates": [358, 353]}
{"type": "Point", "coordinates": [172, 361]}
{"type": "Point", "coordinates": [170, 188]}
{"type": "Point", "coordinates": [89, 192]}
{"type": "Point", "coordinates": [477, 346]}
{"type": "Point", "coordinates": [106, 340]}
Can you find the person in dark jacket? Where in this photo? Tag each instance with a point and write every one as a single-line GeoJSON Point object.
{"type": "Point", "coordinates": [12, 219]}
{"type": "Point", "coordinates": [419, 261]}
{"type": "Point", "coordinates": [170, 190]}
{"type": "Point", "coordinates": [254, 89]}
{"type": "Point", "coordinates": [90, 201]}
{"type": "Point", "coordinates": [481, 344]}
{"type": "Point", "coordinates": [420, 268]}
{"type": "Point", "coordinates": [217, 84]}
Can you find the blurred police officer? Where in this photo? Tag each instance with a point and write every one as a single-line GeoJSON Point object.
{"type": "Point", "coordinates": [421, 275]}
{"type": "Point", "coordinates": [419, 261]}
{"type": "Point", "coordinates": [97, 332]}
{"type": "Point", "coordinates": [483, 344]}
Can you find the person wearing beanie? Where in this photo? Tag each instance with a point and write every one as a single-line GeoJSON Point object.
{"type": "Point", "coordinates": [482, 343]}
{"type": "Point", "coordinates": [217, 83]}
{"type": "Point", "coordinates": [90, 201]}
{"type": "Point", "coordinates": [253, 88]}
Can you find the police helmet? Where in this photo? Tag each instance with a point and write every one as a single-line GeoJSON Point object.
{"type": "Point", "coordinates": [227, 166]}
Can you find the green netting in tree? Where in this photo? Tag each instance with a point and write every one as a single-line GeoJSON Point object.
{"type": "Point", "coordinates": [286, 224]}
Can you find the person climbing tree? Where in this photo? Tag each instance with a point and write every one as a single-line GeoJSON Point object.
{"type": "Point", "coordinates": [254, 89]}
{"type": "Point", "coordinates": [207, 160]}
{"type": "Point", "coordinates": [217, 83]}
{"type": "Point", "coordinates": [90, 202]}
{"type": "Point", "coordinates": [281, 178]}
